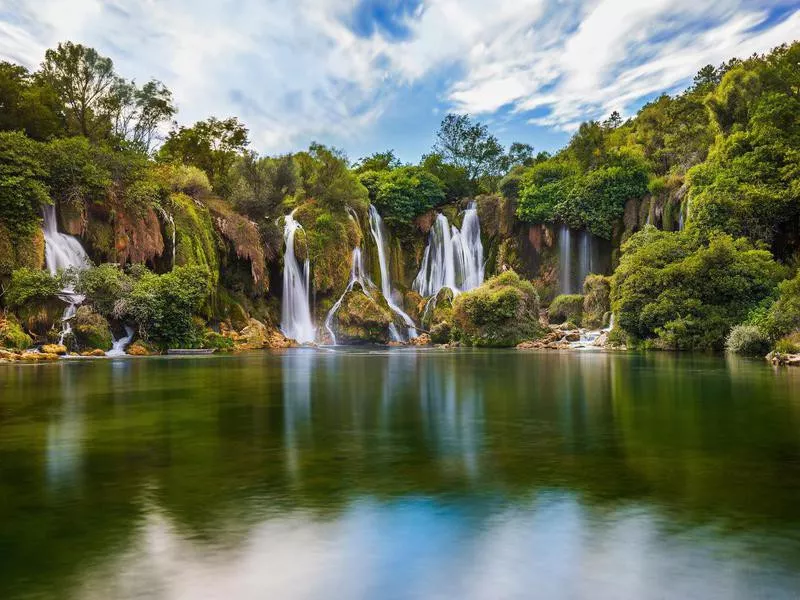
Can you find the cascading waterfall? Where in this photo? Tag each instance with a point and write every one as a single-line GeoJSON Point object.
{"type": "Point", "coordinates": [296, 322]}
{"type": "Point", "coordinates": [118, 348]}
{"type": "Point", "coordinates": [565, 259]}
{"type": "Point", "coordinates": [453, 258]}
{"type": "Point", "coordinates": [357, 276]}
{"type": "Point", "coordinates": [586, 259]}
{"type": "Point", "coordinates": [376, 227]}
{"type": "Point", "coordinates": [63, 252]}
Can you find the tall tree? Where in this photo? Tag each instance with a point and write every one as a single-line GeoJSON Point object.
{"type": "Point", "coordinates": [378, 161]}
{"type": "Point", "coordinates": [28, 104]}
{"type": "Point", "coordinates": [137, 112]}
{"type": "Point", "coordinates": [470, 146]}
{"type": "Point", "coordinates": [83, 79]}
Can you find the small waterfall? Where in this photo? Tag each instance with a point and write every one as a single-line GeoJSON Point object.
{"type": "Point", "coordinates": [376, 227]}
{"type": "Point", "coordinates": [565, 259]}
{"type": "Point", "coordinates": [586, 258]}
{"type": "Point", "coordinates": [296, 322]}
{"type": "Point", "coordinates": [169, 219]}
{"type": "Point", "coordinates": [357, 276]}
{"type": "Point", "coordinates": [63, 252]}
{"type": "Point", "coordinates": [452, 258]}
{"type": "Point", "coordinates": [118, 349]}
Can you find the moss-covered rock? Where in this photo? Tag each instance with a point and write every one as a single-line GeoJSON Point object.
{"type": "Point", "coordinates": [196, 242]}
{"type": "Point", "coordinates": [441, 333]}
{"type": "Point", "coordinates": [596, 300]}
{"type": "Point", "coordinates": [59, 349]}
{"type": "Point", "coordinates": [502, 312]}
{"type": "Point", "coordinates": [141, 348]}
{"type": "Point", "coordinates": [26, 252]}
{"type": "Point", "coordinates": [11, 334]}
{"type": "Point", "coordinates": [566, 307]}
{"type": "Point", "coordinates": [91, 331]}
{"type": "Point", "coordinates": [437, 309]}
{"type": "Point", "coordinates": [362, 319]}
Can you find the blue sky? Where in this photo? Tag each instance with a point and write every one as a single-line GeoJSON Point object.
{"type": "Point", "coordinates": [368, 75]}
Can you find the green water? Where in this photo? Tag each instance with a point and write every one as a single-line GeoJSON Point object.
{"type": "Point", "coordinates": [400, 474]}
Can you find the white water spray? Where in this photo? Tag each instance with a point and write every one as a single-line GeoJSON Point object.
{"type": "Point", "coordinates": [376, 227]}
{"type": "Point", "coordinates": [63, 252]}
{"type": "Point", "coordinates": [118, 349]}
{"type": "Point", "coordinates": [453, 258]}
{"type": "Point", "coordinates": [296, 322]}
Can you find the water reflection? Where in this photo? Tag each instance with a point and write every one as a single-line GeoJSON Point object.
{"type": "Point", "coordinates": [363, 474]}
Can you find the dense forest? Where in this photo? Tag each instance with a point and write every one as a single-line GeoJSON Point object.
{"type": "Point", "coordinates": [692, 208]}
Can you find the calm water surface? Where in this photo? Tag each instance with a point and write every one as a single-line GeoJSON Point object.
{"type": "Point", "coordinates": [400, 475]}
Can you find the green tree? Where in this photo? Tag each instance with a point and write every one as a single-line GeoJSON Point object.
{"type": "Point", "coordinates": [378, 161]}
{"type": "Point", "coordinates": [470, 146]}
{"type": "Point", "coordinates": [83, 79]}
{"type": "Point", "coordinates": [137, 112]}
{"type": "Point", "coordinates": [28, 104]}
{"type": "Point", "coordinates": [22, 188]}
{"type": "Point", "coordinates": [212, 145]}
{"type": "Point", "coordinates": [324, 175]}
{"type": "Point", "coordinates": [260, 185]}
{"type": "Point", "coordinates": [405, 193]}
{"type": "Point", "coordinates": [455, 180]}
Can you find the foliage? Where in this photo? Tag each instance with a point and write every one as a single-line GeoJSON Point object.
{"type": "Point", "coordinates": [747, 340]}
{"type": "Point", "coordinates": [11, 334]}
{"type": "Point", "coordinates": [260, 185]}
{"type": "Point", "coordinates": [163, 305]}
{"type": "Point", "coordinates": [677, 291]}
{"type": "Point", "coordinates": [22, 191]}
{"type": "Point", "coordinates": [29, 104]}
{"type": "Point", "coordinates": [596, 300]}
{"type": "Point", "coordinates": [469, 146]}
{"type": "Point", "coordinates": [783, 317]}
{"type": "Point", "coordinates": [378, 161]}
{"type": "Point", "coordinates": [218, 342]}
{"type": "Point", "coordinates": [91, 330]}
{"type": "Point", "coordinates": [103, 286]}
{"type": "Point", "coordinates": [789, 344]}
{"type": "Point", "coordinates": [566, 307]}
{"type": "Point", "coordinates": [211, 145]}
{"type": "Point", "coordinates": [324, 176]}
{"type": "Point", "coordinates": [502, 312]}
{"type": "Point", "coordinates": [33, 286]}
{"type": "Point", "coordinates": [76, 173]}
{"type": "Point", "coordinates": [137, 112]}
{"type": "Point", "coordinates": [405, 193]}
{"type": "Point", "coordinates": [184, 179]}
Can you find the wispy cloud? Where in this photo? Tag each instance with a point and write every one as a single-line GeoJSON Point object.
{"type": "Point", "coordinates": [295, 70]}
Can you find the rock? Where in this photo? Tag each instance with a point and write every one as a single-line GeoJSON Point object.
{"type": "Point", "coordinates": [362, 319]}
{"type": "Point", "coordinates": [601, 341]}
{"type": "Point", "coordinates": [91, 330]}
{"type": "Point", "coordinates": [95, 352]}
{"type": "Point", "coordinates": [423, 339]}
{"type": "Point", "coordinates": [59, 349]}
{"type": "Point", "coordinates": [531, 345]}
{"type": "Point", "coordinates": [8, 355]}
{"type": "Point", "coordinates": [572, 336]}
{"type": "Point", "coordinates": [38, 356]}
{"type": "Point", "coordinates": [138, 349]}
{"type": "Point", "coordinates": [253, 336]}
{"type": "Point", "coordinates": [396, 344]}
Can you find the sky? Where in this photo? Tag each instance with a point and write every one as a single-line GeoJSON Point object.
{"type": "Point", "coordinates": [371, 75]}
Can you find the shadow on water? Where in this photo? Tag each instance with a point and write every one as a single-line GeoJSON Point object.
{"type": "Point", "coordinates": [401, 474]}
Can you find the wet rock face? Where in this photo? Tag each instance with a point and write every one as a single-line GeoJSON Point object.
{"type": "Point", "coordinates": [362, 319]}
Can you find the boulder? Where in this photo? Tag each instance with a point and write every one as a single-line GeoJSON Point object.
{"type": "Point", "coordinates": [96, 352]}
{"type": "Point", "coordinates": [91, 330]}
{"type": "Point", "coordinates": [38, 356]}
{"type": "Point", "coordinates": [8, 355]}
{"type": "Point", "coordinates": [139, 349]}
{"type": "Point", "coordinates": [362, 319]}
{"type": "Point", "coordinates": [422, 339]}
{"type": "Point", "coordinates": [59, 349]}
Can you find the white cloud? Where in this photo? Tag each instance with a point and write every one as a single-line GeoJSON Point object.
{"type": "Point", "coordinates": [294, 70]}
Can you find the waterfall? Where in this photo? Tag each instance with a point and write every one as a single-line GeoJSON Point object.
{"type": "Point", "coordinates": [565, 259]}
{"type": "Point", "coordinates": [357, 275]}
{"type": "Point", "coordinates": [452, 258]}
{"type": "Point", "coordinates": [118, 349]}
{"type": "Point", "coordinates": [296, 322]}
{"type": "Point", "coordinates": [63, 252]}
{"type": "Point", "coordinates": [376, 227]}
{"type": "Point", "coordinates": [586, 258]}
{"type": "Point", "coordinates": [169, 219]}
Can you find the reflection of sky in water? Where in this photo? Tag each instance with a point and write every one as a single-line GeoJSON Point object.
{"type": "Point", "coordinates": [551, 547]}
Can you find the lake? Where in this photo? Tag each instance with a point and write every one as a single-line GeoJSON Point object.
{"type": "Point", "coordinates": [400, 474]}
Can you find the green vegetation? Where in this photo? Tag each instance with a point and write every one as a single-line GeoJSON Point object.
{"type": "Point", "coordinates": [91, 331]}
{"type": "Point", "coordinates": [747, 340]}
{"type": "Point", "coordinates": [596, 300]}
{"type": "Point", "coordinates": [566, 308]}
{"type": "Point", "coordinates": [502, 312]}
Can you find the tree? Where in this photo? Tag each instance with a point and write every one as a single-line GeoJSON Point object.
{"type": "Point", "coordinates": [613, 121]}
{"type": "Point", "coordinates": [469, 146]}
{"type": "Point", "coordinates": [137, 112]}
{"type": "Point", "coordinates": [455, 180]}
{"type": "Point", "coordinates": [212, 145]}
{"type": "Point", "coordinates": [405, 193]}
{"type": "Point", "coordinates": [22, 190]}
{"type": "Point", "coordinates": [519, 155]}
{"type": "Point", "coordinates": [324, 175]}
{"type": "Point", "coordinates": [379, 161]}
{"type": "Point", "coordinates": [83, 80]}
{"type": "Point", "coordinates": [259, 185]}
{"type": "Point", "coordinates": [29, 104]}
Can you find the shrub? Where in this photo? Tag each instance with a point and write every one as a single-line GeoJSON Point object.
{"type": "Point", "coordinates": [566, 307]}
{"type": "Point", "coordinates": [103, 287]}
{"type": "Point", "coordinates": [12, 336]}
{"type": "Point", "coordinates": [440, 333]}
{"type": "Point", "coordinates": [747, 340]}
{"type": "Point", "coordinates": [405, 193]}
{"type": "Point", "coordinates": [22, 192]}
{"type": "Point", "coordinates": [502, 312]}
{"type": "Point", "coordinates": [678, 291]}
{"type": "Point", "coordinates": [220, 343]}
{"type": "Point", "coordinates": [596, 300]}
{"type": "Point", "coordinates": [789, 344]}
{"type": "Point", "coordinates": [783, 316]}
{"type": "Point", "coordinates": [33, 286]}
{"type": "Point", "coordinates": [163, 306]}
{"type": "Point", "coordinates": [91, 330]}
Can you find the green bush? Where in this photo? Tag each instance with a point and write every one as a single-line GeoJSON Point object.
{"type": "Point", "coordinates": [91, 330]}
{"type": "Point", "coordinates": [747, 340]}
{"type": "Point", "coordinates": [441, 332]}
{"type": "Point", "coordinates": [566, 307]}
{"type": "Point", "coordinates": [33, 286]}
{"type": "Point", "coordinates": [789, 344]}
{"type": "Point", "coordinates": [220, 343]}
{"type": "Point", "coordinates": [22, 189]}
{"type": "Point", "coordinates": [12, 336]}
{"type": "Point", "coordinates": [103, 287]}
{"type": "Point", "coordinates": [783, 316]}
{"type": "Point", "coordinates": [674, 290]}
{"type": "Point", "coordinates": [502, 312]}
{"type": "Point", "coordinates": [596, 300]}
{"type": "Point", "coordinates": [163, 306]}
{"type": "Point", "coordinates": [405, 193]}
